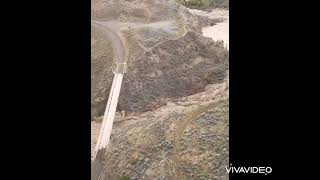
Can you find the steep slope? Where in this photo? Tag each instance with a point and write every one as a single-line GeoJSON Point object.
{"type": "Point", "coordinates": [186, 139]}
{"type": "Point", "coordinates": [175, 93]}
{"type": "Point", "coordinates": [171, 70]}
{"type": "Point", "coordinates": [148, 28]}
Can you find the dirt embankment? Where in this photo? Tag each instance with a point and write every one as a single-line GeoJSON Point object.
{"type": "Point", "coordinates": [185, 139]}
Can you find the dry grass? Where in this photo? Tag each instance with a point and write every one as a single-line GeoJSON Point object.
{"type": "Point", "coordinates": [190, 117]}
{"type": "Point", "coordinates": [131, 43]}
{"type": "Point", "coordinates": [205, 4]}
{"type": "Point", "coordinates": [181, 29]}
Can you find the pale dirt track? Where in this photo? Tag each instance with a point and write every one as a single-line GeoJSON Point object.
{"type": "Point", "coordinates": [116, 41]}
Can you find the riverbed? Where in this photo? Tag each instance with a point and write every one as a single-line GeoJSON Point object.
{"type": "Point", "coordinates": [219, 31]}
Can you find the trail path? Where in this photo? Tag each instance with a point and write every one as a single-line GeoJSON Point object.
{"type": "Point", "coordinates": [111, 32]}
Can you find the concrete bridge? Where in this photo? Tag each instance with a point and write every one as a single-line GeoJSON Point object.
{"type": "Point", "coordinates": [98, 155]}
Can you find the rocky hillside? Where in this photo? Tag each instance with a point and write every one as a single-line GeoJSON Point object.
{"type": "Point", "coordinates": [166, 55]}
{"type": "Point", "coordinates": [175, 93]}
{"type": "Point", "coordinates": [171, 70]}
{"type": "Point", "coordinates": [186, 139]}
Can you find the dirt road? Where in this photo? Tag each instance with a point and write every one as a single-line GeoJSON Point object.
{"type": "Point", "coordinates": [97, 171]}
{"type": "Point", "coordinates": [111, 32]}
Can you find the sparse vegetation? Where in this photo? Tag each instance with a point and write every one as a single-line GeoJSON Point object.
{"type": "Point", "coordinates": [181, 30]}
{"type": "Point", "coordinates": [189, 141]}
{"type": "Point", "coordinates": [174, 94]}
{"type": "Point", "coordinates": [124, 178]}
{"type": "Point", "coordinates": [205, 4]}
{"type": "Point", "coordinates": [133, 49]}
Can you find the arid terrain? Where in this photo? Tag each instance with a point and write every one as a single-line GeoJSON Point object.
{"type": "Point", "coordinates": [175, 93]}
{"type": "Point", "coordinates": [220, 31]}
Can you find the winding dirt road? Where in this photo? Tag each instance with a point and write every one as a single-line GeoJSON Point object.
{"type": "Point", "coordinates": [115, 38]}
{"type": "Point", "coordinates": [97, 171]}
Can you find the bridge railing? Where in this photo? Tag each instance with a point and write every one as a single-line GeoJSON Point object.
{"type": "Point", "coordinates": [120, 68]}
